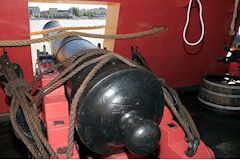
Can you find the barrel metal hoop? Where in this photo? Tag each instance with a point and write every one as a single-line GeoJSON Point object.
{"type": "Point", "coordinates": [221, 85]}
{"type": "Point", "coordinates": [220, 94]}
{"type": "Point", "coordinates": [219, 106]}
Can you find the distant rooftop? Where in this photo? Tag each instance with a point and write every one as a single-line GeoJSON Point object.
{"type": "Point", "coordinates": [60, 6]}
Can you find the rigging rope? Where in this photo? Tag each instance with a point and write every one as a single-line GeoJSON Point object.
{"type": "Point", "coordinates": [18, 89]}
{"type": "Point", "coordinates": [234, 17]}
{"type": "Point", "coordinates": [18, 43]}
{"type": "Point", "coordinates": [187, 22]}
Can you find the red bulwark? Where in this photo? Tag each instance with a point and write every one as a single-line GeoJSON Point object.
{"type": "Point", "coordinates": [166, 52]}
{"type": "Point", "coordinates": [14, 25]}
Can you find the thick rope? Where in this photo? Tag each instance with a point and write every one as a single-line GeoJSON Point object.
{"type": "Point", "coordinates": [38, 128]}
{"type": "Point", "coordinates": [65, 75]}
{"type": "Point", "coordinates": [56, 29]}
{"type": "Point", "coordinates": [76, 99]}
{"type": "Point", "coordinates": [234, 17]}
{"type": "Point", "coordinates": [18, 43]}
{"type": "Point", "coordinates": [60, 64]}
{"type": "Point", "coordinates": [13, 111]}
{"type": "Point", "coordinates": [184, 118]}
{"type": "Point", "coordinates": [20, 99]}
{"type": "Point", "coordinates": [19, 90]}
{"type": "Point", "coordinates": [60, 80]}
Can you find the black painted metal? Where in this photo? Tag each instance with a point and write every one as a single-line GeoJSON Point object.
{"type": "Point", "coordinates": [121, 107]}
{"type": "Point", "coordinates": [63, 48]}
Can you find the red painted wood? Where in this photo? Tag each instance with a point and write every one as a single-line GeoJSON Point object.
{"type": "Point", "coordinates": [165, 52]}
{"type": "Point", "coordinates": [14, 24]}
{"type": "Point", "coordinates": [55, 110]}
{"type": "Point", "coordinates": [172, 143]}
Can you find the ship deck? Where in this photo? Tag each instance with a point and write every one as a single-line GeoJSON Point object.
{"type": "Point", "coordinates": [220, 132]}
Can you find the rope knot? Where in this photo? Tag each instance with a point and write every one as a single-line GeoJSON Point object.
{"type": "Point", "coordinates": [12, 85]}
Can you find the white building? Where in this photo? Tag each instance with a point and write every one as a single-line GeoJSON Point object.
{"type": "Point", "coordinates": [34, 11]}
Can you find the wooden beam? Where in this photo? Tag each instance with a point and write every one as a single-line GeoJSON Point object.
{"type": "Point", "coordinates": [111, 24]}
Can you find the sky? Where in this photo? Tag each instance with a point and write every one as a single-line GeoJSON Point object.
{"type": "Point", "coordinates": [46, 6]}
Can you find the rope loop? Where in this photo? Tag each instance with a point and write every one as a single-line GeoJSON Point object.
{"type": "Point", "coordinates": [187, 22]}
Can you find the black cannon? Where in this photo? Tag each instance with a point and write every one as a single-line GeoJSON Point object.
{"type": "Point", "coordinates": [121, 107]}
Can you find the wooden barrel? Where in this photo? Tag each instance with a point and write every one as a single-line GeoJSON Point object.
{"type": "Point", "coordinates": [221, 92]}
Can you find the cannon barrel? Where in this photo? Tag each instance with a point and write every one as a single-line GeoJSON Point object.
{"type": "Point", "coordinates": [120, 109]}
